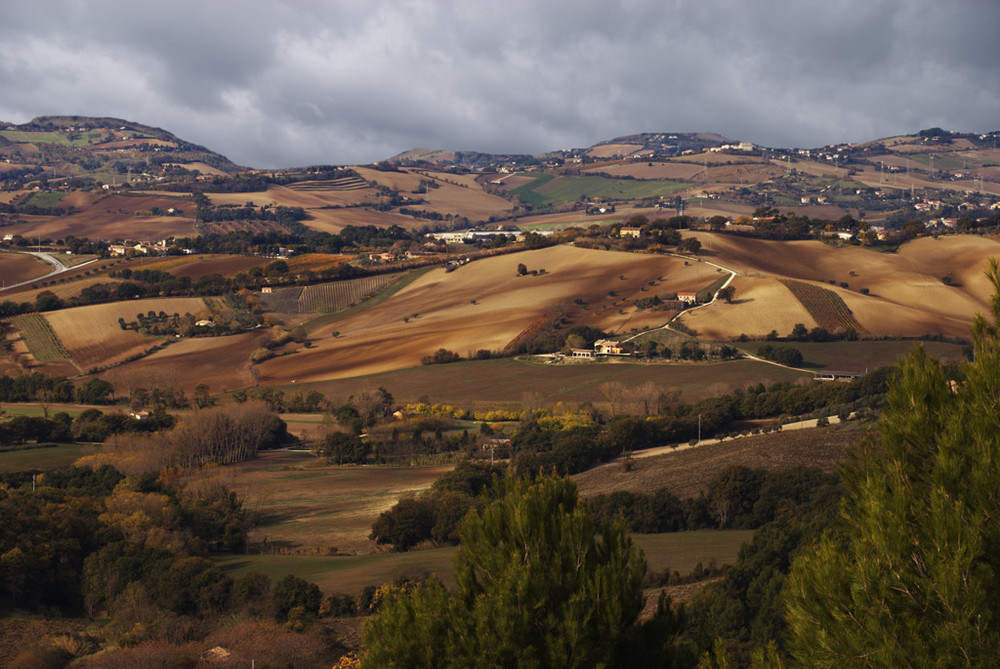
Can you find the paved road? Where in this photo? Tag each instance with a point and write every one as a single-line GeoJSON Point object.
{"type": "Point", "coordinates": [57, 268]}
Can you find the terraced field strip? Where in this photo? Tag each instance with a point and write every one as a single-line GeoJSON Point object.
{"type": "Point", "coordinates": [40, 338]}
{"type": "Point", "coordinates": [344, 183]}
{"type": "Point", "coordinates": [342, 294]}
{"type": "Point", "coordinates": [826, 307]}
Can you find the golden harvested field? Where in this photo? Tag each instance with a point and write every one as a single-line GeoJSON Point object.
{"type": "Point", "coordinates": [579, 219]}
{"type": "Point", "coordinates": [484, 305]}
{"type": "Point", "coordinates": [460, 195]}
{"type": "Point", "coordinates": [171, 263]}
{"type": "Point", "coordinates": [288, 197]}
{"type": "Point", "coordinates": [613, 150]}
{"type": "Point", "coordinates": [223, 363]}
{"type": "Point", "coordinates": [760, 305]}
{"type": "Point", "coordinates": [315, 262]}
{"type": "Point", "coordinates": [204, 168]}
{"type": "Point", "coordinates": [66, 290]}
{"type": "Point", "coordinates": [740, 173]}
{"type": "Point", "coordinates": [871, 176]}
{"type": "Point", "coordinates": [811, 167]}
{"type": "Point", "coordinates": [467, 199]}
{"type": "Point", "coordinates": [335, 220]}
{"type": "Point", "coordinates": [327, 209]}
{"type": "Point", "coordinates": [907, 296]}
{"type": "Point", "coordinates": [18, 267]}
{"type": "Point", "coordinates": [93, 338]}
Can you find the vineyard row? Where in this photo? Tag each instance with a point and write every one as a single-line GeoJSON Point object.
{"type": "Point", "coordinates": [826, 307]}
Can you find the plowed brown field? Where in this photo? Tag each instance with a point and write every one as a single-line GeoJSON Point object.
{"type": "Point", "coordinates": [17, 267]}
{"type": "Point", "coordinates": [112, 216]}
{"type": "Point", "coordinates": [223, 363]}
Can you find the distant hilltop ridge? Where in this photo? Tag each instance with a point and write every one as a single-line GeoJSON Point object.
{"type": "Point", "coordinates": [78, 145]}
{"type": "Point", "coordinates": [660, 145]}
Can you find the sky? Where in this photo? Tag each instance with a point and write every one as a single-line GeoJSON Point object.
{"type": "Point", "coordinates": [281, 83]}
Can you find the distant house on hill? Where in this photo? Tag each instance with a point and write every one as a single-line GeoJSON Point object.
{"type": "Point", "coordinates": [688, 298]}
{"type": "Point", "coordinates": [630, 232]}
{"type": "Point", "coordinates": [608, 347]}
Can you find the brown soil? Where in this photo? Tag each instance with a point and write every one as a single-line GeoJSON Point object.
{"type": "Point", "coordinates": [18, 267]}
{"type": "Point", "coordinates": [112, 216]}
{"type": "Point", "coordinates": [223, 363]}
{"type": "Point", "coordinates": [224, 265]}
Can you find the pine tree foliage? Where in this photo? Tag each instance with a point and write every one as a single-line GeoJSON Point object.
{"type": "Point", "coordinates": [910, 577]}
{"type": "Point", "coordinates": [537, 587]}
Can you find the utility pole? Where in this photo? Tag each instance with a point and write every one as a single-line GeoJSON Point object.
{"type": "Point", "coordinates": [699, 428]}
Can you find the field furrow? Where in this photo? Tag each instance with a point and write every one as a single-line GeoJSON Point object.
{"type": "Point", "coordinates": [328, 297]}
{"type": "Point", "coordinates": [826, 307]}
{"type": "Point", "coordinates": [40, 338]}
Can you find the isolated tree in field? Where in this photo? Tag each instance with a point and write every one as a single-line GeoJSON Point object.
{"type": "Point", "coordinates": [691, 245]}
{"type": "Point", "coordinates": [726, 293]}
{"type": "Point", "coordinates": [522, 269]}
{"type": "Point", "coordinates": [537, 587]}
{"type": "Point", "coordinates": [911, 576]}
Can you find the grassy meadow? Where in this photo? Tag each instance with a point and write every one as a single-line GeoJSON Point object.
{"type": "Point", "coordinates": [506, 380]}
{"type": "Point", "coordinates": [548, 189]}
{"type": "Point", "coordinates": [44, 457]}
{"type": "Point", "coordinates": [861, 356]}
{"type": "Point", "coordinates": [677, 551]}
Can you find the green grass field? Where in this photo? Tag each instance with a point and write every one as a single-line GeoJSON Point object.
{"type": "Point", "coordinates": [44, 199]}
{"type": "Point", "coordinates": [36, 137]}
{"type": "Point", "coordinates": [548, 189]}
{"type": "Point", "coordinates": [861, 356]}
{"type": "Point", "coordinates": [680, 551]}
{"type": "Point", "coordinates": [54, 137]}
{"type": "Point", "coordinates": [505, 381]}
{"type": "Point", "coordinates": [54, 457]}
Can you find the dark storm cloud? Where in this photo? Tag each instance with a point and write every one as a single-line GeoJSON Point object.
{"type": "Point", "coordinates": [293, 83]}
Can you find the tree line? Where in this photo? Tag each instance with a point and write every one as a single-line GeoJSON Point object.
{"type": "Point", "coordinates": [134, 550]}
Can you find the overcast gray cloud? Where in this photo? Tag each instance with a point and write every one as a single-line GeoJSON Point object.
{"type": "Point", "coordinates": [285, 83]}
